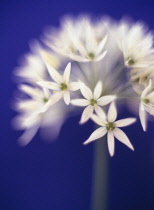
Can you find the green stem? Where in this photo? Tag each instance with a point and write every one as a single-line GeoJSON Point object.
{"type": "Point", "coordinates": [99, 188]}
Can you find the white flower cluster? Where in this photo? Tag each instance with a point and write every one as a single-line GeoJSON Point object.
{"type": "Point", "coordinates": [104, 62]}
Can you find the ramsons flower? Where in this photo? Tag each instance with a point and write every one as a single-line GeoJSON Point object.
{"type": "Point", "coordinates": [136, 45]}
{"type": "Point", "coordinates": [36, 112]}
{"type": "Point", "coordinates": [62, 86]}
{"type": "Point", "coordinates": [92, 101]}
{"type": "Point", "coordinates": [146, 104]}
{"type": "Point", "coordinates": [80, 40]}
{"type": "Point", "coordinates": [111, 127]}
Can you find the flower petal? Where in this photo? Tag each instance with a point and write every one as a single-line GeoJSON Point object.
{"type": "Point", "coordinates": [80, 102]}
{"type": "Point", "coordinates": [99, 58]}
{"type": "Point", "coordinates": [53, 99]}
{"type": "Point", "coordinates": [112, 113]}
{"type": "Point", "coordinates": [110, 141]}
{"type": "Point", "coordinates": [86, 92]}
{"type": "Point", "coordinates": [66, 96]}
{"type": "Point", "coordinates": [98, 120]}
{"type": "Point", "coordinates": [121, 136]}
{"type": "Point", "coordinates": [49, 85]}
{"type": "Point", "coordinates": [67, 71]}
{"type": "Point", "coordinates": [98, 133]}
{"type": "Point", "coordinates": [143, 117]}
{"type": "Point", "coordinates": [104, 100]}
{"type": "Point", "coordinates": [73, 86]}
{"type": "Point", "coordinates": [31, 91]}
{"type": "Point", "coordinates": [98, 90]}
{"type": "Point", "coordinates": [125, 122]}
{"type": "Point", "coordinates": [147, 89]}
{"type": "Point", "coordinates": [86, 114]}
{"type": "Point", "coordinates": [52, 71]}
{"type": "Point", "coordinates": [101, 45]}
{"type": "Point", "coordinates": [99, 111]}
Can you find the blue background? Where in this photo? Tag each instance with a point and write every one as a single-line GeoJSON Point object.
{"type": "Point", "coordinates": [58, 176]}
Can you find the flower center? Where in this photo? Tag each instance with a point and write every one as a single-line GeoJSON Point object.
{"type": "Point", "coordinates": [45, 100]}
{"type": "Point", "coordinates": [110, 126]}
{"type": "Point", "coordinates": [63, 86]}
{"type": "Point", "coordinates": [146, 101]}
{"type": "Point", "coordinates": [93, 102]}
{"type": "Point", "coordinates": [91, 56]}
{"type": "Point", "coordinates": [130, 61]}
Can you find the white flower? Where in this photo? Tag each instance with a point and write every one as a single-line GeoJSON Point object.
{"type": "Point", "coordinates": [136, 45]}
{"type": "Point", "coordinates": [111, 127]}
{"type": "Point", "coordinates": [35, 112]}
{"type": "Point", "coordinates": [92, 101]}
{"type": "Point", "coordinates": [32, 67]}
{"type": "Point", "coordinates": [61, 86]}
{"type": "Point", "coordinates": [146, 104]}
{"type": "Point", "coordinates": [79, 40]}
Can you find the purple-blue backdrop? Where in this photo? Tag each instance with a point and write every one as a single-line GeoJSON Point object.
{"type": "Point", "coordinates": [58, 176]}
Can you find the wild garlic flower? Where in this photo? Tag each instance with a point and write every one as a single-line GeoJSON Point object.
{"type": "Point", "coordinates": [111, 127]}
{"type": "Point", "coordinates": [79, 46]}
{"type": "Point", "coordinates": [80, 40]}
{"type": "Point", "coordinates": [92, 101]}
{"type": "Point", "coordinates": [136, 45]}
{"type": "Point", "coordinates": [146, 104]}
{"type": "Point", "coordinates": [62, 87]}
{"type": "Point", "coordinates": [33, 112]}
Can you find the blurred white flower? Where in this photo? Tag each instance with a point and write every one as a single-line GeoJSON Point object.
{"type": "Point", "coordinates": [111, 127]}
{"type": "Point", "coordinates": [80, 40]}
{"type": "Point", "coordinates": [136, 45]}
{"type": "Point", "coordinates": [62, 87]}
{"type": "Point", "coordinates": [146, 104]}
{"type": "Point", "coordinates": [92, 101]}
{"type": "Point", "coordinates": [32, 67]}
{"type": "Point", "coordinates": [36, 112]}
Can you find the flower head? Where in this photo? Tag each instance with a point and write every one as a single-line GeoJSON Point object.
{"type": "Point", "coordinates": [62, 86]}
{"type": "Point", "coordinates": [79, 40]}
{"type": "Point", "coordinates": [146, 104]}
{"type": "Point", "coordinates": [111, 127]}
{"type": "Point", "coordinates": [136, 45]}
{"type": "Point", "coordinates": [92, 101]}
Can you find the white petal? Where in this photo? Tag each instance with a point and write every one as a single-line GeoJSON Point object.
{"type": "Point", "coordinates": [112, 113]}
{"type": "Point", "coordinates": [99, 111]}
{"type": "Point", "coordinates": [143, 117]}
{"type": "Point", "coordinates": [31, 91]}
{"type": "Point", "coordinates": [67, 71]}
{"type": "Point", "coordinates": [67, 97]}
{"type": "Point", "coordinates": [110, 141]}
{"type": "Point", "coordinates": [147, 89]}
{"type": "Point", "coordinates": [99, 58]}
{"type": "Point", "coordinates": [98, 133]}
{"type": "Point", "coordinates": [121, 136]}
{"type": "Point", "coordinates": [150, 96]}
{"type": "Point", "coordinates": [27, 136]}
{"type": "Point", "coordinates": [87, 113]}
{"type": "Point", "coordinates": [104, 100]}
{"type": "Point", "coordinates": [49, 85]}
{"type": "Point", "coordinates": [53, 99]}
{"type": "Point", "coordinates": [101, 45]}
{"type": "Point", "coordinates": [98, 120]}
{"type": "Point", "coordinates": [98, 90]}
{"type": "Point", "coordinates": [54, 74]}
{"type": "Point", "coordinates": [125, 122]}
{"type": "Point", "coordinates": [73, 86]}
{"type": "Point", "coordinates": [80, 102]}
{"type": "Point", "coordinates": [86, 92]}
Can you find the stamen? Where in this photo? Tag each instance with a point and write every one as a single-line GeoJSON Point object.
{"type": "Point", "coordinates": [63, 86]}
{"type": "Point", "coordinates": [93, 102]}
{"type": "Point", "coordinates": [110, 126]}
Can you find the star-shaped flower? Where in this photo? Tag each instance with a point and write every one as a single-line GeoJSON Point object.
{"type": "Point", "coordinates": [146, 104]}
{"type": "Point", "coordinates": [92, 101]}
{"type": "Point", "coordinates": [111, 127]}
{"type": "Point", "coordinates": [61, 86]}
